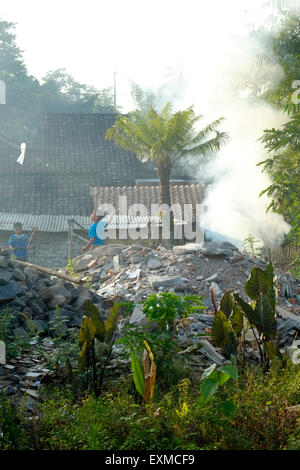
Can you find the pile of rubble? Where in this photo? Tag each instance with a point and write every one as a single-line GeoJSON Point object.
{"type": "Point", "coordinates": [131, 273]}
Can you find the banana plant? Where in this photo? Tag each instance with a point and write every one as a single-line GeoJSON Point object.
{"type": "Point", "coordinates": [260, 314]}
{"type": "Point", "coordinates": [144, 373]}
{"type": "Point", "coordinates": [228, 325]}
{"type": "Point", "coordinates": [93, 327]}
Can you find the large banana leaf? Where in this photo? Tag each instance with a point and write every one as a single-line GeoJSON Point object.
{"type": "Point", "coordinates": [86, 336]}
{"type": "Point", "coordinates": [223, 334]}
{"type": "Point", "coordinates": [226, 304]}
{"type": "Point", "coordinates": [270, 272]}
{"type": "Point", "coordinates": [237, 320]}
{"type": "Point", "coordinates": [92, 312]}
{"type": "Point", "coordinates": [111, 322]}
{"type": "Point", "coordinates": [137, 370]}
{"type": "Point", "coordinates": [263, 316]}
{"type": "Point", "coordinates": [87, 330]}
{"type": "Point", "coordinates": [265, 309]}
{"type": "Point", "coordinates": [258, 283]}
{"type": "Point", "coordinates": [248, 311]}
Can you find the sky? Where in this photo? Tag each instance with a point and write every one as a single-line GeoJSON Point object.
{"type": "Point", "coordinates": [139, 39]}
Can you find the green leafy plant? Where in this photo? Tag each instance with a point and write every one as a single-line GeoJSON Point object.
{"type": "Point", "coordinates": [14, 344]}
{"type": "Point", "coordinates": [295, 267]}
{"type": "Point", "coordinates": [71, 267]}
{"type": "Point", "coordinates": [214, 377]}
{"type": "Point", "coordinates": [162, 310]}
{"type": "Point", "coordinates": [249, 246]}
{"type": "Point", "coordinates": [165, 307]}
{"type": "Point", "coordinates": [260, 315]}
{"type": "Point", "coordinates": [144, 372]}
{"type": "Point", "coordinates": [94, 328]}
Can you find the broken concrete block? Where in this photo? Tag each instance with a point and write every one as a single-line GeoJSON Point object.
{"type": "Point", "coordinates": [289, 316]}
{"type": "Point", "coordinates": [138, 317]}
{"type": "Point", "coordinates": [2, 353]}
{"type": "Point", "coordinates": [154, 263]}
{"type": "Point", "coordinates": [216, 288]}
{"type": "Point", "coordinates": [164, 281]}
{"type": "Point", "coordinates": [188, 248]}
{"type": "Point", "coordinates": [210, 352]}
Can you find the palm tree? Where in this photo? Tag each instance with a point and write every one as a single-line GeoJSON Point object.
{"type": "Point", "coordinates": [165, 138]}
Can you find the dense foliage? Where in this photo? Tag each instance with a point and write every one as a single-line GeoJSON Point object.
{"type": "Point", "coordinates": [283, 144]}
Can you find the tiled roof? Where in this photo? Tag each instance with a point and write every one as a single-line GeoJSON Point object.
{"type": "Point", "coordinates": [55, 180]}
{"type": "Point", "coordinates": [181, 194]}
{"type": "Point", "coordinates": [76, 143]}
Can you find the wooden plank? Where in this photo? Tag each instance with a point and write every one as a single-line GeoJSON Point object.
{"type": "Point", "coordinates": [79, 225]}
{"type": "Point", "coordinates": [51, 272]}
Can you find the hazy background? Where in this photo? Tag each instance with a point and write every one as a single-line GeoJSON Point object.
{"type": "Point", "coordinates": [189, 52]}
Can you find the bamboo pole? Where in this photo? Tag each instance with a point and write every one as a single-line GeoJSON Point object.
{"type": "Point", "coordinates": [85, 240]}
{"type": "Point", "coordinates": [70, 236]}
{"type": "Point", "coordinates": [49, 271]}
{"type": "Point", "coordinates": [79, 225]}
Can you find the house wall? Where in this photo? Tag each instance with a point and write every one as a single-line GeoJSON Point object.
{"type": "Point", "coordinates": [51, 249]}
{"type": "Point", "coordinates": [48, 249]}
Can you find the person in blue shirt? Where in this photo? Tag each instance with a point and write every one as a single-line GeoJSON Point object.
{"type": "Point", "coordinates": [18, 243]}
{"type": "Point", "coordinates": [95, 232]}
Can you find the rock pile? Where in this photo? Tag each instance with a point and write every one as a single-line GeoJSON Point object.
{"type": "Point", "coordinates": [36, 295]}
{"type": "Point", "coordinates": [134, 272]}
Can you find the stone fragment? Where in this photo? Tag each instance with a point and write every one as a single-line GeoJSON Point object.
{"type": "Point", "coordinates": [61, 290]}
{"type": "Point", "coordinates": [20, 332]}
{"type": "Point", "coordinates": [84, 295]}
{"type": "Point", "coordinates": [56, 301]}
{"type": "Point", "coordinates": [18, 275]}
{"type": "Point", "coordinates": [188, 248]}
{"type": "Point", "coordinates": [135, 259]}
{"type": "Point", "coordinates": [212, 278]}
{"type": "Point", "coordinates": [9, 291]}
{"type": "Point", "coordinates": [32, 393]}
{"type": "Point", "coordinates": [82, 263]}
{"type": "Point", "coordinates": [5, 277]}
{"type": "Point", "coordinates": [215, 286]}
{"type": "Point", "coordinates": [210, 352]}
{"type": "Point", "coordinates": [288, 316]}
{"type": "Point", "coordinates": [164, 281]}
{"type": "Point", "coordinates": [154, 263]}
{"type": "Point", "coordinates": [40, 325]}
{"type": "Point", "coordinates": [2, 353]}
{"type": "Point", "coordinates": [45, 293]}
{"type": "Point", "coordinates": [32, 274]}
{"type": "Point", "coordinates": [9, 390]}
{"type": "Point", "coordinates": [3, 262]}
{"type": "Point", "coordinates": [138, 317]}
{"type": "Point", "coordinates": [215, 249]}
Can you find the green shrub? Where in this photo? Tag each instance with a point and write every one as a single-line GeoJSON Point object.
{"type": "Point", "coordinates": [118, 421]}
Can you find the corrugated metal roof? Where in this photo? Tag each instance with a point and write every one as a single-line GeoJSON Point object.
{"type": "Point", "coordinates": [59, 223]}
{"type": "Point", "coordinates": [44, 223]}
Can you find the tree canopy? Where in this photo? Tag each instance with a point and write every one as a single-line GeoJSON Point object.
{"type": "Point", "coordinates": [165, 138]}
{"type": "Point", "coordinates": [283, 145]}
{"type": "Point", "coordinates": [28, 99]}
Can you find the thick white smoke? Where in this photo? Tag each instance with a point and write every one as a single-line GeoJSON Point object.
{"type": "Point", "coordinates": [234, 207]}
